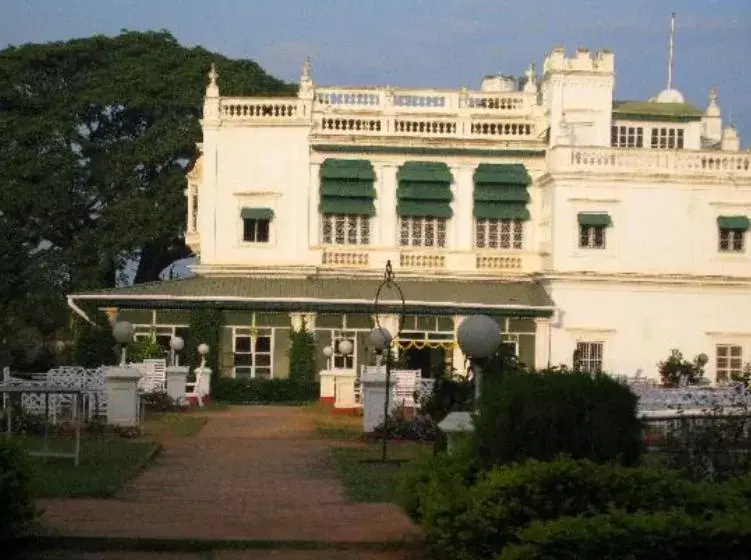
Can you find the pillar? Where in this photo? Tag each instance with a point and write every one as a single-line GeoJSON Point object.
{"type": "Point", "coordinates": [123, 401]}
{"type": "Point", "coordinates": [176, 376]}
{"type": "Point", "coordinates": [386, 219]}
{"type": "Point", "coordinates": [111, 313]}
{"type": "Point", "coordinates": [542, 342]}
{"type": "Point", "coordinates": [458, 355]}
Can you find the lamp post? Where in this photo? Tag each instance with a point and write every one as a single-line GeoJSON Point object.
{"type": "Point", "coordinates": [328, 351]}
{"type": "Point", "coordinates": [177, 344]}
{"type": "Point", "coordinates": [203, 349]}
{"type": "Point", "coordinates": [123, 333]}
{"type": "Point", "coordinates": [478, 337]}
{"type": "Point", "coordinates": [382, 339]}
{"type": "Point", "coordinates": [346, 348]}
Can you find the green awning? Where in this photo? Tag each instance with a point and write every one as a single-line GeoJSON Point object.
{"type": "Point", "coordinates": [424, 172]}
{"type": "Point", "coordinates": [256, 213]}
{"type": "Point", "coordinates": [501, 193]}
{"type": "Point", "coordinates": [424, 191]}
{"type": "Point", "coordinates": [741, 223]}
{"type": "Point", "coordinates": [504, 211]}
{"type": "Point", "coordinates": [339, 205]}
{"type": "Point", "coordinates": [423, 208]}
{"type": "Point", "coordinates": [359, 169]}
{"type": "Point", "coordinates": [594, 219]}
{"type": "Point", "coordinates": [501, 174]}
{"type": "Point", "coordinates": [347, 188]}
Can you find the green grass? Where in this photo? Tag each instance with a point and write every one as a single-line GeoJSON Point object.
{"type": "Point", "coordinates": [368, 480]}
{"type": "Point", "coordinates": [173, 425]}
{"type": "Point", "coordinates": [106, 464]}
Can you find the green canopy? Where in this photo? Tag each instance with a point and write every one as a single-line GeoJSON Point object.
{"type": "Point", "coordinates": [347, 187]}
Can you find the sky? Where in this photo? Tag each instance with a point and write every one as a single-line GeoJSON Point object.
{"type": "Point", "coordinates": [433, 43]}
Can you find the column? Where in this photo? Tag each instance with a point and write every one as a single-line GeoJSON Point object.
{"type": "Point", "coordinates": [458, 355]}
{"type": "Point", "coordinates": [298, 319]}
{"type": "Point", "coordinates": [111, 313]}
{"type": "Point", "coordinates": [463, 229]}
{"type": "Point", "coordinates": [542, 342]}
{"type": "Point", "coordinates": [386, 220]}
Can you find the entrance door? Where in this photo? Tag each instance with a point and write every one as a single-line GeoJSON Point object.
{"type": "Point", "coordinates": [430, 361]}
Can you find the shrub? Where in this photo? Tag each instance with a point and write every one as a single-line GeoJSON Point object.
{"type": "Point", "coordinates": [146, 349]}
{"type": "Point", "coordinates": [449, 393]}
{"type": "Point", "coordinates": [676, 370]}
{"type": "Point", "coordinates": [621, 536]}
{"type": "Point", "coordinates": [743, 377]}
{"type": "Point", "coordinates": [17, 508]}
{"type": "Point", "coordinates": [160, 401]}
{"type": "Point", "coordinates": [204, 326]}
{"type": "Point", "coordinates": [541, 415]}
{"type": "Point", "coordinates": [255, 391]}
{"type": "Point", "coordinates": [507, 499]}
{"type": "Point", "coordinates": [418, 428]}
{"type": "Point", "coordinates": [93, 345]}
{"type": "Point", "coordinates": [302, 355]}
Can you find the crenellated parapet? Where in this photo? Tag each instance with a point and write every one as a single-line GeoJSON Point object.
{"type": "Point", "coordinates": [602, 62]}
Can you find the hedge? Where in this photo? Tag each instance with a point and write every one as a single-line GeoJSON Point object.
{"type": "Point", "coordinates": [17, 509]}
{"type": "Point", "coordinates": [541, 415]}
{"type": "Point", "coordinates": [256, 391]}
{"type": "Point", "coordinates": [621, 536]}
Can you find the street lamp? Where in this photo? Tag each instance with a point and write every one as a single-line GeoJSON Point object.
{"type": "Point", "coordinates": [328, 351]}
{"type": "Point", "coordinates": [478, 337]}
{"type": "Point", "coordinates": [123, 333]}
{"type": "Point", "coordinates": [203, 349]}
{"type": "Point", "coordinates": [346, 348]}
{"type": "Point", "coordinates": [381, 338]}
{"type": "Point", "coordinates": [177, 344]}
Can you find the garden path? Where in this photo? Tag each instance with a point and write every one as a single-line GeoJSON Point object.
{"type": "Point", "coordinates": [254, 472]}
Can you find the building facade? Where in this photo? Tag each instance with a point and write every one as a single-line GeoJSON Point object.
{"type": "Point", "coordinates": [613, 229]}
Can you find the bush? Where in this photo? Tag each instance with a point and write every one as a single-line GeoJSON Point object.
{"type": "Point", "coordinates": [160, 401]}
{"type": "Point", "coordinates": [449, 394]}
{"type": "Point", "coordinates": [541, 415]}
{"type": "Point", "coordinates": [255, 391]}
{"type": "Point", "coordinates": [17, 509]}
{"type": "Point", "coordinates": [302, 355]}
{"type": "Point", "coordinates": [676, 370]}
{"type": "Point", "coordinates": [204, 327]}
{"type": "Point", "coordinates": [418, 428]}
{"type": "Point", "coordinates": [621, 536]}
{"type": "Point", "coordinates": [507, 499]}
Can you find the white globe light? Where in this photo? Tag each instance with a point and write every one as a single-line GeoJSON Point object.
{"type": "Point", "coordinates": [203, 349]}
{"type": "Point", "coordinates": [176, 343]}
{"type": "Point", "coordinates": [346, 347]}
{"type": "Point", "coordinates": [328, 351]}
{"type": "Point", "coordinates": [479, 336]}
{"type": "Point", "coordinates": [123, 332]}
{"type": "Point", "coordinates": [380, 338]}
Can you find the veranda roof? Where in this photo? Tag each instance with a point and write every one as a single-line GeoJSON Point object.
{"type": "Point", "coordinates": [329, 294]}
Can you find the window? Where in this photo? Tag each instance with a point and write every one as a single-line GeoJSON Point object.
{"type": "Point", "coordinates": [667, 138]}
{"type": "Point", "coordinates": [627, 137]}
{"type": "Point", "coordinates": [588, 356]}
{"type": "Point", "coordinates": [345, 229]}
{"type": "Point", "coordinates": [252, 353]}
{"type": "Point", "coordinates": [591, 237]}
{"type": "Point", "coordinates": [417, 231]}
{"type": "Point", "coordinates": [498, 234]}
{"type": "Point", "coordinates": [729, 361]}
{"type": "Point", "coordinates": [732, 240]}
{"type": "Point", "coordinates": [255, 230]}
{"type": "Point", "coordinates": [339, 360]}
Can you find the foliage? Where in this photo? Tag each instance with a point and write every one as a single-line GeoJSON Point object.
{"type": "Point", "coordinates": [715, 447]}
{"type": "Point", "coordinates": [17, 508]}
{"type": "Point", "coordinates": [257, 391]}
{"type": "Point", "coordinates": [159, 401]}
{"type": "Point", "coordinates": [302, 355]}
{"type": "Point", "coordinates": [676, 370]}
{"type": "Point", "coordinates": [93, 345]}
{"type": "Point", "coordinates": [618, 535]}
{"type": "Point", "coordinates": [205, 325]}
{"type": "Point", "coordinates": [418, 427]}
{"type": "Point", "coordinates": [743, 376]}
{"type": "Point", "coordinates": [507, 499]}
{"type": "Point", "coordinates": [541, 415]}
{"type": "Point", "coordinates": [146, 349]}
{"type": "Point", "coordinates": [450, 393]}
{"type": "Point", "coordinates": [366, 478]}
{"type": "Point", "coordinates": [97, 134]}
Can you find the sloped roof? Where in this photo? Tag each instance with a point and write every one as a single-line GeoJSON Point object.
{"type": "Point", "coordinates": [651, 110]}
{"type": "Point", "coordinates": [322, 293]}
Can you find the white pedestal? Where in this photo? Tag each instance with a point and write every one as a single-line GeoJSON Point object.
{"type": "Point", "coordinates": [176, 376]}
{"type": "Point", "coordinates": [374, 397]}
{"type": "Point", "coordinates": [328, 387]}
{"type": "Point", "coordinates": [122, 396]}
{"type": "Point", "coordinates": [344, 388]}
{"type": "Point", "coordinates": [455, 425]}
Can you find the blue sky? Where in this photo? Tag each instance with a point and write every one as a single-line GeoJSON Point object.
{"type": "Point", "coordinates": [441, 43]}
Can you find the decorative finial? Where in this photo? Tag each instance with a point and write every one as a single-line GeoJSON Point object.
{"type": "Point", "coordinates": [306, 67]}
{"type": "Point", "coordinates": [305, 91]}
{"type": "Point", "coordinates": [213, 75]}
{"type": "Point", "coordinates": [530, 85]}
{"type": "Point", "coordinates": [713, 96]}
{"type": "Point", "coordinates": [212, 90]}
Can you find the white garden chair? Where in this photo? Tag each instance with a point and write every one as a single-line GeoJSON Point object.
{"type": "Point", "coordinates": [197, 389]}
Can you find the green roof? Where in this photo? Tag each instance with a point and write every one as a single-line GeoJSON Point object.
{"type": "Point", "coordinates": [652, 110]}
{"type": "Point", "coordinates": [322, 293]}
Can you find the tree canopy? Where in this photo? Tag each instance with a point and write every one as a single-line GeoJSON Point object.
{"type": "Point", "coordinates": [96, 135]}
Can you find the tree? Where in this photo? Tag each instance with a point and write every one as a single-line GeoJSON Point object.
{"type": "Point", "coordinates": [96, 136]}
{"type": "Point", "coordinates": [676, 370]}
{"type": "Point", "coordinates": [302, 355]}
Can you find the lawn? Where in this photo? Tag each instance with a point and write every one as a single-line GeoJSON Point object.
{"type": "Point", "coordinates": [366, 478]}
{"type": "Point", "coordinates": [172, 425]}
{"type": "Point", "coordinates": [106, 464]}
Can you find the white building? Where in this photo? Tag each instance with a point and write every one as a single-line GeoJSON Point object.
{"type": "Point", "coordinates": [579, 221]}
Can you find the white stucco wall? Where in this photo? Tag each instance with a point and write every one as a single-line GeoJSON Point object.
{"type": "Point", "coordinates": [639, 324]}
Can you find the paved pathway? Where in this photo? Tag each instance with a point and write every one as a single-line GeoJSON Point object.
{"type": "Point", "coordinates": [251, 473]}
